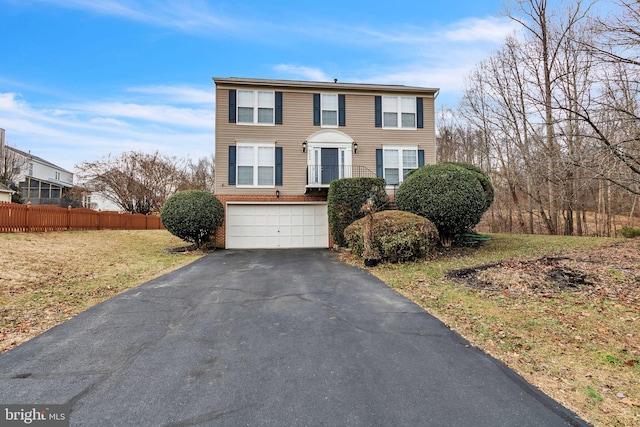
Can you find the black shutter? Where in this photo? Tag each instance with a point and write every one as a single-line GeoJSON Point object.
{"type": "Point", "coordinates": [420, 158]}
{"type": "Point", "coordinates": [379, 172]}
{"type": "Point", "coordinates": [316, 109]}
{"type": "Point", "coordinates": [278, 108]}
{"type": "Point", "coordinates": [232, 165]}
{"type": "Point", "coordinates": [419, 113]}
{"type": "Point", "coordinates": [378, 111]}
{"type": "Point", "coordinates": [232, 105]}
{"type": "Point", "coordinates": [278, 165]}
{"type": "Point", "coordinates": [341, 110]}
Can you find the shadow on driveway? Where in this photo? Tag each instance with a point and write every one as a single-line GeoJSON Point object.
{"type": "Point", "coordinates": [273, 338]}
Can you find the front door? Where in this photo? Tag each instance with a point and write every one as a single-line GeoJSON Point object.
{"type": "Point", "coordinates": [329, 162]}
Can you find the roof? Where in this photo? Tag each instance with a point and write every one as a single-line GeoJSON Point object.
{"type": "Point", "coordinates": [5, 189]}
{"type": "Point", "coordinates": [325, 85]}
{"type": "Point", "coordinates": [39, 159]}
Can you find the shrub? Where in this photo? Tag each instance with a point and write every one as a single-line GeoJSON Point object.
{"type": "Point", "coordinates": [487, 187]}
{"type": "Point", "coordinates": [629, 232]}
{"type": "Point", "coordinates": [450, 196]}
{"type": "Point", "coordinates": [397, 236]}
{"type": "Point", "coordinates": [345, 199]}
{"type": "Point", "coordinates": [192, 215]}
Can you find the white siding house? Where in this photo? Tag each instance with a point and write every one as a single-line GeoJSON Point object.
{"type": "Point", "coordinates": [39, 181]}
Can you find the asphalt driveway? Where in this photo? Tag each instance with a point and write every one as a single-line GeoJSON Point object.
{"type": "Point", "coordinates": [273, 338]}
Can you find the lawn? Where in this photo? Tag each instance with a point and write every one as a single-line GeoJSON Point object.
{"type": "Point", "coordinates": [47, 278]}
{"type": "Point", "coordinates": [563, 312]}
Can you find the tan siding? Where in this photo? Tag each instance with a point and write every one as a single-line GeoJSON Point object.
{"type": "Point", "coordinates": [298, 126]}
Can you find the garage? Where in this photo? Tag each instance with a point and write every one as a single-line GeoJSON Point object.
{"type": "Point", "coordinates": [276, 225]}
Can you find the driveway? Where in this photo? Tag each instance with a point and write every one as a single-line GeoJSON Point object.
{"type": "Point", "coordinates": [268, 338]}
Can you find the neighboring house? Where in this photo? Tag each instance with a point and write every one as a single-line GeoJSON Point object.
{"type": "Point", "coordinates": [40, 182]}
{"type": "Point", "coordinates": [5, 193]}
{"type": "Point", "coordinates": [94, 197]}
{"type": "Point", "coordinates": [280, 143]}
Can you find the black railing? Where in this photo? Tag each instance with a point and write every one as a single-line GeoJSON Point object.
{"type": "Point", "coordinates": [322, 176]}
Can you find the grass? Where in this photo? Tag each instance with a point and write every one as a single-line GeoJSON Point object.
{"type": "Point", "coordinates": [48, 278]}
{"type": "Point", "coordinates": [580, 346]}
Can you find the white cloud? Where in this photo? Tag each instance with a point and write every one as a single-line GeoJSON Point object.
{"type": "Point", "coordinates": [177, 94]}
{"type": "Point", "coordinates": [193, 16]}
{"type": "Point", "coordinates": [69, 134]}
{"type": "Point", "coordinates": [297, 71]}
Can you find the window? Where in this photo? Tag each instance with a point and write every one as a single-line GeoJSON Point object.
{"type": "Point", "coordinates": [57, 176]}
{"type": "Point", "coordinates": [399, 112]}
{"type": "Point", "coordinates": [256, 165]}
{"type": "Point", "coordinates": [398, 162]}
{"type": "Point", "coordinates": [329, 109]}
{"type": "Point", "coordinates": [256, 107]}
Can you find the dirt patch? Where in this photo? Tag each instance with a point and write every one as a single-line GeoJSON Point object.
{"type": "Point", "coordinates": [613, 272]}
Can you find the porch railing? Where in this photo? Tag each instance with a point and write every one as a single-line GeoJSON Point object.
{"type": "Point", "coordinates": [322, 176]}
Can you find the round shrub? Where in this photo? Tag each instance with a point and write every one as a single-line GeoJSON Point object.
{"type": "Point", "coordinates": [345, 199]}
{"type": "Point", "coordinates": [192, 215]}
{"type": "Point", "coordinates": [397, 236]}
{"type": "Point", "coordinates": [487, 187]}
{"type": "Point", "coordinates": [448, 195]}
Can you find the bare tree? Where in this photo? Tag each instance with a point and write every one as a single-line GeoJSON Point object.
{"type": "Point", "coordinates": [11, 162]}
{"type": "Point", "coordinates": [200, 175]}
{"type": "Point", "coordinates": [137, 182]}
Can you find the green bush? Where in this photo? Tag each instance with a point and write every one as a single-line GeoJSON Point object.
{"type": "Point", "coordinates": [192, 215]}
{"type": "Point", "coordinates": [450, 196]}
{"type": "Point", "coordinates": [345, 199]}
{"type": "Point", "coordinates": [629, 232]}
{"type": "Point", "coordinates": [397, 236]}
{"type": "Point", "coordinates": [482, 177]}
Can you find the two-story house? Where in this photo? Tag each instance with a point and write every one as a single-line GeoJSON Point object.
{"type": "Point", "coordinates": [40, 181]}
{"type": "Point", "coordinates": [280, 143]}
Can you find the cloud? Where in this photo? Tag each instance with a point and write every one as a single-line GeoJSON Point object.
{"type": "Point", "coordinates": [299, 71]}
{"type": "Point", "coordinates": [70, 134]}
{"type": "Point", "coordinates": [177, 94]}
{"type": "Point", "coordinates": [192, 16]}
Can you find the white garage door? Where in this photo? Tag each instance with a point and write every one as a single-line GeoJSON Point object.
{"type": "Point", "coordinates": [278, 225]}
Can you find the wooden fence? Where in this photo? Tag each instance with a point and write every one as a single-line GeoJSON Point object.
{"type": "Point", "coordinates": [16, 218]}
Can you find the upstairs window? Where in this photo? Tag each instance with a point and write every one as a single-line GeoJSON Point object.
{"type": "Point", "coordinates": [329, 110]}
{"type": "Point", "coordinates": [256, 107]}
{"type": "Point", "coordinates": [399, 112]}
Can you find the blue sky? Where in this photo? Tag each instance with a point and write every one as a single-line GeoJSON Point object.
{"type": "Point", "coordinates": [81, 79]}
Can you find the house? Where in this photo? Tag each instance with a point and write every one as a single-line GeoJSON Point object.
{"type": "Point", "coordinates": [96, 197]}
{"type": "Point", "coordinates": [39, 181]}
{"type": "Point", "coordinates": [5, 193]}
{"type": "Point", "coordinates": [280, 143]}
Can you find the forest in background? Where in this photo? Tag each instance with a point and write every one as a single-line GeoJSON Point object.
{"type": "Point", "coordinates": [553, 116]}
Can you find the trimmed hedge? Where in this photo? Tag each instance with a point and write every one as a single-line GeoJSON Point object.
{"type": "Point", "coordinates": [397, 236]}
{"type": "Point", "coordinates": [487, 186]}
{"type": "Point", "coordinates": [345, 199]}
{"type": "Point", "coordinates": [450, 196]}
{"type": "Point", "coordinates": [192, 215]}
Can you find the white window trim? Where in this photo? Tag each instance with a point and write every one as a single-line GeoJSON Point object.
{"type": "Point", "coordinates": [399, 112]}
{"type": "Point", "coordinates": [401, 167]}
{"type": "Point", "coordinates": [337, 110]}
{"type": "Point", "coordinates": [255, 108]}
{"type": "Point", "coordinates": [255, 145]}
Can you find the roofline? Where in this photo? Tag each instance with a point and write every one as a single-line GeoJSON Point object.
{"type": "Point", "coordinates": [323, 85]}
{"type": "Point", "coordinates": [37, 158]}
